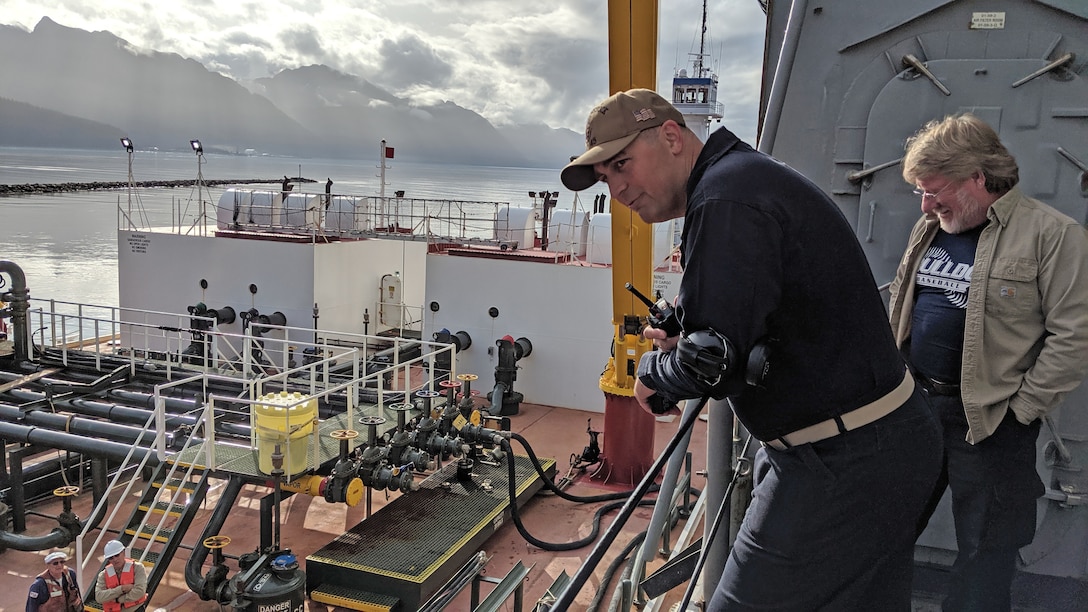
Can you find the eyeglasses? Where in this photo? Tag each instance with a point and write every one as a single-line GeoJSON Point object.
{"type": "Point", "coordinates": [56, 563]}
{"type": "Point", "coordinates": [927, 195]}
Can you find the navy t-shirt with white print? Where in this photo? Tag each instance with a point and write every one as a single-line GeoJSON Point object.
{"type": "Point", "coordinates": [940, 307]}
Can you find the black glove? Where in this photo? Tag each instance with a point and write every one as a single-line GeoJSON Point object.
{"type": "Point", "coordinates": [659, 404]}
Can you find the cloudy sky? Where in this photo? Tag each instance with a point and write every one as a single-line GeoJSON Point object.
{"type": "Point", "coordinates": [512, 61]}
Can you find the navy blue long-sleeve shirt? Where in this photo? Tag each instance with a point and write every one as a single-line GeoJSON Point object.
{"type": "Point", "coordinates": [766, 254]}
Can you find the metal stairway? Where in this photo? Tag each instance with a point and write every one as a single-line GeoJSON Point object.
{"type": "Point", "coordinates": [159, 521]}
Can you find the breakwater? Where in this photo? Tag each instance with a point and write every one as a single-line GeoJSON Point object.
{"type": "Point", "coordinates": [40, 188]}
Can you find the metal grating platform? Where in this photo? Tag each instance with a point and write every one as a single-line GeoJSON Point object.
{"type": "Point", "coordinates": [344, 597]}
{"type": "Point", "coordinates": [412, 546]}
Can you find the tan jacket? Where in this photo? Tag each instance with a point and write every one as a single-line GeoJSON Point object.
{"type": "Point", "coordinates": [1025, 344]}
{"type": "Point", "coordinates": [108, 591]}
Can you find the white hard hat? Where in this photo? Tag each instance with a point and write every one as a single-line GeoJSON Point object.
{"type": "Point", "coordinates": [55, 555]}
{"type": "Point", "coordinates": [113, 547]}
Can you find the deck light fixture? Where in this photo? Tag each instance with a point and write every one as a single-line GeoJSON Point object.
{"type": "Point", "coordinates": [197, 147]}
{"type": "Point", "coordinates": [126, 143]}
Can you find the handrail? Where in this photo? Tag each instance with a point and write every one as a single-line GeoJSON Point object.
{"type": "Point", "coordinates": [126, 464]}
{"type": "Point", "coordinates": [566, 597]}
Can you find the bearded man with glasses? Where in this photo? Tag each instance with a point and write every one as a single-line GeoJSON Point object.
{"type": "Point", "coordinates": [990, 307]}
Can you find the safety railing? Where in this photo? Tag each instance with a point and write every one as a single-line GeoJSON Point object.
{"type": "Point", "coordinates": [242, 208]}
{"type": "Point", "coordinates": [172, 341]}
{"type": "Point", "coordinates": [336, 370]}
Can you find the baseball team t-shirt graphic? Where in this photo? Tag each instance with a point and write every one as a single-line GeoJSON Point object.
{"type": "Point", "coordinates": [940, 271]}
{"type": "Point", "coordinates": [942, 285]}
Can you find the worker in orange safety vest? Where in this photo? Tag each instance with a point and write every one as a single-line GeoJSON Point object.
{"type": "Point", "coordinates": [122, 584]}
{"type": "Point", "coordinates": [55, 589]}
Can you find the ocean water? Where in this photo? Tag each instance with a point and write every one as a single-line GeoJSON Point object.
{"type": "Point", "coordinates": [66, 243]}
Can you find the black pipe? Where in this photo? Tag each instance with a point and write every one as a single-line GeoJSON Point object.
{"type": "Point", "coordinates": [77, 425]}
{"type": "Point", "coordinates": [193, 577]}
{"type": "Point", "coordinates": [88, 446]}
{"type": "Point", "coordinates": [57, 538]}
{"type": "Point", "coordinates": [40, 469]}
{"type": "Point", "coordinates": [104, 410]}
{"type": "Point", "coordinates": [43, 477]}
{"type": "Point", "coordinates": [180, 405]}
{"type": "Point", "coordinates": [89, 367]}
{"type": "Point", "coordinates": [19, 298]}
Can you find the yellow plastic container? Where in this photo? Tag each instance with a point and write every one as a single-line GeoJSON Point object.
{"type": "Point", "coordinates": [278, 420]}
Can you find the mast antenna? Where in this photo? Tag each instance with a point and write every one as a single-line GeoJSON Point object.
{"type": "Point", "coordinates": [699, 69]}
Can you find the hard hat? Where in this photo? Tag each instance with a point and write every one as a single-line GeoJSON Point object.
{"type": "Point", "coordinates": [54, 556]}
{"type": "Point", "coordinates": [113, 547]}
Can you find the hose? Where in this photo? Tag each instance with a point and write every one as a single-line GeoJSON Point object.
{"type": "Point", "coordinates": [611, 570]}
{"type": "Point", "coordinates": [552, 546]}
{"type": "Point", "coordinates": [566, 597]}
{"type": "Point", "coordinates": [555, 489]}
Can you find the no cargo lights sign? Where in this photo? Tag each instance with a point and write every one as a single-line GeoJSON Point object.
{"type": "Point", "coordinates": [993, 20]}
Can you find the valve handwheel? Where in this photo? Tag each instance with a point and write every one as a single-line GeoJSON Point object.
{"type": "Point", "coordinates": [216, 541]}
{"type": "Point", "coordinates": [67, 491]}
{"type": "Point", "coordinates": [343, 434]}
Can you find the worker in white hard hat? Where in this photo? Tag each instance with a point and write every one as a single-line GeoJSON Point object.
{"type": "Point", "coordinates": [122, 583]}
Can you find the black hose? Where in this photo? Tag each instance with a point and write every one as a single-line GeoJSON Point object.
{"type": "Point", "coordinates": [554, 489]}
{"type": "Point", "coordinates": [552, 546]}
{"type": "Point", "coordinates": [566, 597]}
{"type": "Point", "coordinates": [610, 572]}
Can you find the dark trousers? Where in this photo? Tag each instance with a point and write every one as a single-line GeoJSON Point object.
{"type": "Point", "coordinates": [994, 486]}
{"type": "Point", "coordinates": [832, 524]}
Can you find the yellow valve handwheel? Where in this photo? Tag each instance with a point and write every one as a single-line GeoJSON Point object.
{"type": "Point", "coordinates": [67, 491]}
{"type": "Point", "coordinates": [216, 541]}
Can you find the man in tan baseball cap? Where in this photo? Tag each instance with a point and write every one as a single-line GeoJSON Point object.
{"type": "Point", "coordinates": [768, 255]}
{"type": "Point", "coordinates": [614, 124]}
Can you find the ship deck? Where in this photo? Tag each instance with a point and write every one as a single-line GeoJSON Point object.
{"type": "Point", "coordinates": [309, 523]}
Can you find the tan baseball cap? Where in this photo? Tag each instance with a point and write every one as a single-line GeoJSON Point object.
{"type": "Point", "coordinates": [613, 125]}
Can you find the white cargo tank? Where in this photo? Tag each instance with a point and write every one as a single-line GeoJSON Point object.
{"type": "Point", "coordinates": [347, 214]}
{"type": "Point", "coordinates": [599, 240]}
{"type": "Point", "coordinates": [232, 211]}
{"type": "Point", "coordinates": [516, 224]}
{"type": "Point", "coordinates": [568, 232]}
{"type": "Point", "coordinates": [302, 211]}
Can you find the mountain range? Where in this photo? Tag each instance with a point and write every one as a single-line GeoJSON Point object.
{"type": "Point", "coordinates": [66, 87]}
